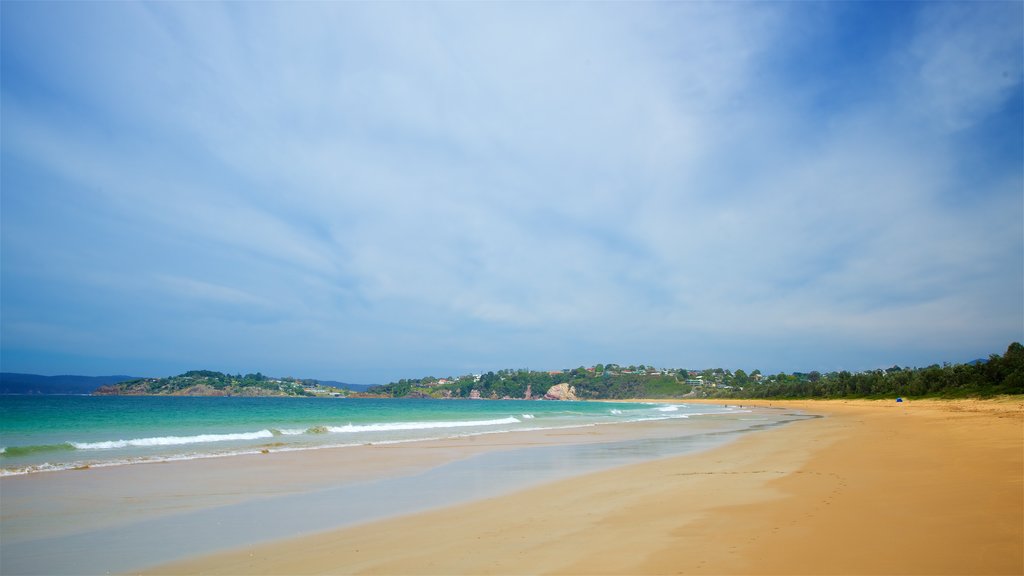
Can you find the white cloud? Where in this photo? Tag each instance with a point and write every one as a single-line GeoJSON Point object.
{"type": "Point", "coordinates": [190, 288]}
{"type": "Point", "coordinates": [446, 183]}
{"type": "Point", "coordinates": [967, 60]}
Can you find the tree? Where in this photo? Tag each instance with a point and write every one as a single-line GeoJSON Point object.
{"type": "Point", "coordinates": [740, 378]}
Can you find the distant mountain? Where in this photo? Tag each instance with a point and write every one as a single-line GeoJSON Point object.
{"type": "Point", "coordinates": [14, 383]}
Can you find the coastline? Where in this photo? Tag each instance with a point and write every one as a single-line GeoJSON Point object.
{"type": "Point", "coordinates": [49, 434]}
{"type": "Point", "coordinates": [119, 519]}
{"type": "Point", "coordinates": [875, 487]}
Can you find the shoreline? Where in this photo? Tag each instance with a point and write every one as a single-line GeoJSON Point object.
{"type": "Point", "coordinates": [876, 487]}
{"type": "Point", "coordinates": [73, 521]}
{"type": "Point", "coordinates": [278, 448]}
{"type": "Point", "coordinates": [266, 438]}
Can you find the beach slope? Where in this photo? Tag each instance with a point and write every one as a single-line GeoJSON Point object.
{"type": "Point", "coordinates": [873, 487]}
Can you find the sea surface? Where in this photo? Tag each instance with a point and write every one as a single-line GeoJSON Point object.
{"type": "Point", "coordinates": [47, 433]}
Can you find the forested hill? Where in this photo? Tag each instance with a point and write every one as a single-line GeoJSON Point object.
{"type": "Point", "coordinates": [209, 383]}
{"type": "Point", "coordinates": [982, 378]}
{"type": "Point", "coordinates": [994, 376]}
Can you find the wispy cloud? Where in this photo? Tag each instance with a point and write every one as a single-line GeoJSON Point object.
{"type": "Point", "coordinates": [367, 192]}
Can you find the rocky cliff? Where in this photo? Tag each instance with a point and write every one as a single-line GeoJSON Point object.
{"type": "Point", "coordinates": [561, 392]}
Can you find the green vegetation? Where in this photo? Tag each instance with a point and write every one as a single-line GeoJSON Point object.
{"type": "Point", "coordinates": [590, 383]}
{"type": "Point", "coordinates": [983, 378]}
{"type": "Point", "coordinates": [596, 382]}
{"type": "Point", "coordinates": [994, 376]}
{"type": "Point", "coordinates": [209, 383]}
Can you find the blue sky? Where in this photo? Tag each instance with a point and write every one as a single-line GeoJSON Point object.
{"type": "Point", "coordinates": [367, 192]}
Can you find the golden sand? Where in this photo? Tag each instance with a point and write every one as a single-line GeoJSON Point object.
{"type": "Point", "coordinates": [920, 487]}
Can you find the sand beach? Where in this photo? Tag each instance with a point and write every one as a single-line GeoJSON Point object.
{"type": "Point", "coordinates": [872, 487]}
{"type": "Point", "coordinates": [112, 517]}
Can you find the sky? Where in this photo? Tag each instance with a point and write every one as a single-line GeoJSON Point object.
{"type": "Point", "coordinates": [366, 192]}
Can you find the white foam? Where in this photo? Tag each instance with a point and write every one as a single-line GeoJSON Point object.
{"type": "Point", "coordinates": [668, 409]}
{"type": "Point", "coordinates": [222, 452]}
{"type": "Point", "coordinates": [349, 428]}
{"type": "Point", "coordinates": [171, 440]}
{"type": "Point", "coordinates": [527, 416]}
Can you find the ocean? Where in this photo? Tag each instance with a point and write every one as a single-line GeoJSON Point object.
{"type": "Point", "coordinates": [48, 433]}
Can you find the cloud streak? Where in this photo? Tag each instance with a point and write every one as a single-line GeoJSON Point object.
{"type": "Point", "coordinates": [368, 192]}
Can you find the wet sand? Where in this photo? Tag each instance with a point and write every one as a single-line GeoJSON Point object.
{"type": "Point", "coordinates": [123, 518]}
{"type": "Point", "coordinates": [875, 487]}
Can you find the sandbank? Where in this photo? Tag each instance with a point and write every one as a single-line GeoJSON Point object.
{"type": "Point", "coordinates": [874, 487]}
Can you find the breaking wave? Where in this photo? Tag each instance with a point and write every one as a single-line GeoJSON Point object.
{"type": "Point", "coordinates": [12, 451]}
{"type": "Point", "coordinates": [171, 440]}
{"type": "Point", "coordinates": [384, 427]}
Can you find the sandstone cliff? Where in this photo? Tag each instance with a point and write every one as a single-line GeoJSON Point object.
{"type": "Point", "coordinates": [561, 392]}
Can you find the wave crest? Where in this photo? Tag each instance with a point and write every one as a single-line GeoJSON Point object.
{"type": "Point", "coordinates": [421, 425]}
{"type": "Point", "coordinates": [171, 440]}
{"type": "Point", "coordinates": [13, 451]}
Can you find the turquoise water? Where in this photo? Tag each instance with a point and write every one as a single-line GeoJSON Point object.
{"type": "Point", "coordinates": [43, 433]}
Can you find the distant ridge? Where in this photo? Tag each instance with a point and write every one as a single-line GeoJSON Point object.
{"type": "Point", "coordinates": [16, 383]}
